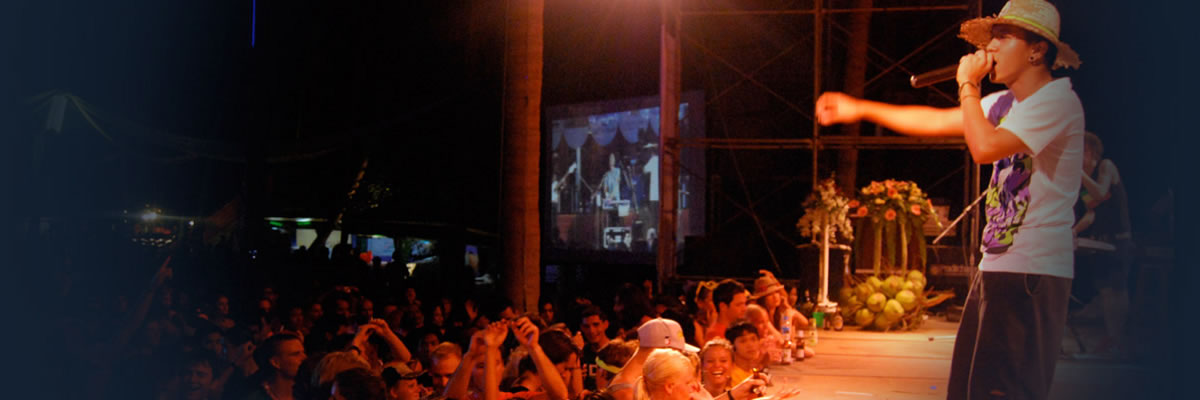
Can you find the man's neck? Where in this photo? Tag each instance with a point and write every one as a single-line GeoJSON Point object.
{"type": "Point", "coordinates": [281, 387]}
{"type": "Point", "coordinates": [1030, 81]}
{"type": "Point", "coordinates": [599, 343]}
{"type": "Point", "coordinates": [726, 318]}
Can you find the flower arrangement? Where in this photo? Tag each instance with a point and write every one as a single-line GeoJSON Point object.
{"type": "Point", "coordinates": [893, 212]}
{"type": "Point", "coordinates": [823, 205]}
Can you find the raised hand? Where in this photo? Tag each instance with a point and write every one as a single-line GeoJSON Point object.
{"type": "Point", "coordinates": [381, 327]}
{"type": "Point", "coordinates": [477, 345]}
{"type": "Point", "coordinates": [973, 67]}
{"type": "Point", "coordinates": [365, 330]}
{"type": "Point", "coordinates": [836, 108]}
{"type": "Point", "coordinates": [360, 337]}
{"type": "Point", "coordinates": [494, 334]}
{"type": "Point", "coordinates": [527, 332]}
{"type": "Point", "coordinates": [578, 340]}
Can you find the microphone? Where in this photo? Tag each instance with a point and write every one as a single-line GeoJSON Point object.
{"type": "Point", "coordinates": [936, 76]}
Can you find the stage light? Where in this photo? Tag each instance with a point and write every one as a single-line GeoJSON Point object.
{"type": "Point", "coordinates": [149, 216]}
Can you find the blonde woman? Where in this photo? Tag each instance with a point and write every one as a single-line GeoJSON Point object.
{"type": "Point", "coordinates": [668, 375]}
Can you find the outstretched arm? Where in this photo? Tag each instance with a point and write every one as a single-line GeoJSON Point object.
{"type": "Point", "coordinates": [986, 142]}
{"type": "Point", "coordinates": [840, 108]}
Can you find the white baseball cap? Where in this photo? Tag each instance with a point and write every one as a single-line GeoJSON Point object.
{"type": "Point", "coordinates": [662, 332]}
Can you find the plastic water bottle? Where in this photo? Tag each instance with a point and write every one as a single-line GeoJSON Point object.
{"type": "Point", "coordinates": [789, 346]}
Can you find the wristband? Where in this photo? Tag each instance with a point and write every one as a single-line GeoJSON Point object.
{"type": "Point", "coordinates": [964, 84]}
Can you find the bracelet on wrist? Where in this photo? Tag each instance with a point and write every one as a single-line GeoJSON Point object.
{"type": "Point", "coordinates": [963, 85]}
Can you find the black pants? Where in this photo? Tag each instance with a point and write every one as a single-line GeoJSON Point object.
{"type": "Point", "coordinates": [1010, 337]}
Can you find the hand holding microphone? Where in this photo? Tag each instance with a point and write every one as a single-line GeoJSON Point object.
{"type": "Point", "coordinates": [973, 67]}
{"type": "Point", "coordinates": [971, 70]}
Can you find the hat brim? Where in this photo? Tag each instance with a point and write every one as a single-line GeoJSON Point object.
{"type": "Point", "coordinates": [690, 349]}
{"type": "Point", "coordinates": [978, 32]}
{"type": "Point", "coordinates": [771, 289]}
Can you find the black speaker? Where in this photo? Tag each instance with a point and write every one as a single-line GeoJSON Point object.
{"type": "Point", "coordinates": [807, 269]}
{"type": "Point", "coordinates": [947, 268]}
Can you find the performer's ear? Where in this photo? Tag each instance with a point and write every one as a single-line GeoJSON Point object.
{"type": "Point", "coordinates": [1040, 48]}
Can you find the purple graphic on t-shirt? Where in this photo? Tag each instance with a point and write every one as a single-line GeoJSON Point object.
{"type": "Point", "coordinates": [1007, 200]}
{"type": "Point", "coordinates": [1008, 190]}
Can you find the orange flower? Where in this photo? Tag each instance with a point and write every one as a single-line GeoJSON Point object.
{"type": "Point", "coordinates": [916, 209]}
{"type": "Point", "coordinates": [892, 192]}
{"type": "Point", "coordinates": [862, 211]}
{"type": "Point", "coordinates": [890, 214]}
{"type": "Point", "coordinates": [852, 204]}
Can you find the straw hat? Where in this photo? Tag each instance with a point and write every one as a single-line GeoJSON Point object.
{"type": "Point", "coordinates": [1035, 16]}
{"type": "Point", "coordinates": [765, 285]}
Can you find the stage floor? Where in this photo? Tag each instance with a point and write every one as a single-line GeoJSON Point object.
{"type": "Point", "coordinates": [854, 364]}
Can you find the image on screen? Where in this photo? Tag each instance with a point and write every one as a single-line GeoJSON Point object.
{"type": "Point", "coordinates": [602, 177]}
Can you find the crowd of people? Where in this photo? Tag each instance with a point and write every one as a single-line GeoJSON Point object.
{"type": "Point", "coordinates": [264, 330]}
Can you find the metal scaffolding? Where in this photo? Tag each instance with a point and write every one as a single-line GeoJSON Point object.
{"type": "Point", "coordinates": [824, 28]}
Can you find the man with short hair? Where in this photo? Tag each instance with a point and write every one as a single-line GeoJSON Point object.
{"type": "Point", "coordinates": [278, 360]}
{"type": "Point", "coordinates": [747, 354]}
{"type": "Point", "coordinates": [1011, 331]}
{"type": "Point", "coordinates": [593, 326]}
{"type": "Point", "coordinates": [730, 298]}
{"type": "Point", "coordinates": [195, 380]}
{"type": "Point", "coordinates": [443, 361]}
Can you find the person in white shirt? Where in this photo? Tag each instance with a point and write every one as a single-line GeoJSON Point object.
{"type": "Point", "coordinates": [1010, 336]}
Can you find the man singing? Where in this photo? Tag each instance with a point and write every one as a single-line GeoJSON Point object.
{"type": "Point", "coordinates": [1032, 133]}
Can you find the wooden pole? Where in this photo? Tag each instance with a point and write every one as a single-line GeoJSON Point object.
{"type": "Point", "coordinates": [668, 132]}
{"type": "Point", "coordinates": [521, 228]}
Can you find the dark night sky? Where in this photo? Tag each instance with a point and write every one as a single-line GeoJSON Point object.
{"type": "Point", "coordinates": [414, 85]}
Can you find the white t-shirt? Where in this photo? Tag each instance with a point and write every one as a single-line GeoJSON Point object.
{"type": "Point", "coordinates": [1029, 204]}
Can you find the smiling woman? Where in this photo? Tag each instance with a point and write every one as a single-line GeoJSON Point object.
{"type": "Point", "coordinates": [716, 361]}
